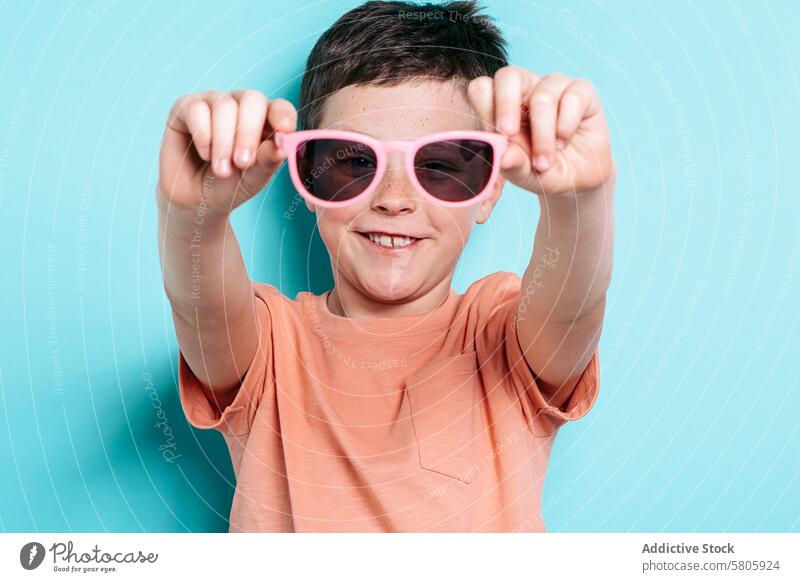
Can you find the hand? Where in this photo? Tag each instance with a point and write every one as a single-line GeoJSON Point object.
{"type": "Point", "coordinates": [220, 148]}
{"type": "Point", "coordinates": [559, 140]}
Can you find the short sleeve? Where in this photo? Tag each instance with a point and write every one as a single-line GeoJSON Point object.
{"type": "Point", "coordinates": [237, 419]}
{"type": "Point", "coordinates": [500, 297]}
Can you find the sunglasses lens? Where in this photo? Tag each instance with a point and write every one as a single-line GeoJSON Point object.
{"type": "Point", "coordinates": [335, 170]}
{"type": "Point", "coordinates": [454, 170]}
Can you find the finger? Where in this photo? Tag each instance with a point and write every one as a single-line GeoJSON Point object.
{"type": "Point", "coordinates": [192, 117]}
{"type": "Point", "coordinates": [507, 100]}
{"type": "Point", "coordinates": [281, 116]}
{"type": "Point", "coordinates": [269, 155]}
{"type": "Point", "coordinates": [543, 106]}
{"type": "Point", "coordinates": [252, 114]}
{"type": "Point", "coordinates": [515, 165]}
{"type": "Point", "coordinates": [268, 159]}
{"type": "Point", "coordinates": [480, 93]}
{"type": "Point", "coordinates": [575, 106]}
{"type": "Point", "coordinates": [198, 121]}
{"type": "Point", "coordinates": [223, 129]}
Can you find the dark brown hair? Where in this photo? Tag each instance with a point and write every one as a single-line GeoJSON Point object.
{"type": "Point", "coordinates": [387, 43]}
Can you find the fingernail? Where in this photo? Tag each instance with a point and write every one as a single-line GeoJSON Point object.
{"type": "Point", "coordinates": [205, 153]}
{"type": "Point", "coordinates": [542, 162]}
{"type": "Point", "coordinates": [244, 155]}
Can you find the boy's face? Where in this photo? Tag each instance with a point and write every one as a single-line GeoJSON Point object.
{"type": "Point", "coordinates": [408, 110]}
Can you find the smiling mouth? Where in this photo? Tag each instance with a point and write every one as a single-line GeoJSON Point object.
{"type": "Point", "coordinates": [387, 241]}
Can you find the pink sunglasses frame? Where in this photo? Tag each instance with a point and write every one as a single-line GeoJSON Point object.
{"type": "Point", "coordinates": [289, 142]}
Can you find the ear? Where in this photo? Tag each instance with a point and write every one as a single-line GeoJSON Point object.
{"type": "Point", "coordinates": [485, 208]}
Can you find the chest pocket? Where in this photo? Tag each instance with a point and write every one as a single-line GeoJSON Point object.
{"type": "Point", "coordinates": [446, 415]}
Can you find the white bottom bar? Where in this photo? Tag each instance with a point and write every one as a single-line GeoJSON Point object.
{"type": "Point", "coordinates": [401, 557]}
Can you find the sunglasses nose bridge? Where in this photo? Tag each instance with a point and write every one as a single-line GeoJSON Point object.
{"type": "Point", "coordinates": [396, 147]}
{"type": "Point", "coordinates": [395, 152]}
{"type": "Point", "coordinates": [395, 191]}
{"type": "Point", "coordinates": [399, 156]}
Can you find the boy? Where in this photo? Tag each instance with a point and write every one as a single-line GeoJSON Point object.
{"type": "Point", "coordinates": [392, 403]}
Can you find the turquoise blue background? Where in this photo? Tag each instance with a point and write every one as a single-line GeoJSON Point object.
{"type": "Point", "coordinates": [696, 427]}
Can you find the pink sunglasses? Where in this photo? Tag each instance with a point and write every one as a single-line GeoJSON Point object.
{"type": "Point", "coordinates": [333, 168]}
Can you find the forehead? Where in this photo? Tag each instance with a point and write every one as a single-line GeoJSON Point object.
{"type": "Point", "coordinates": [401, 111]}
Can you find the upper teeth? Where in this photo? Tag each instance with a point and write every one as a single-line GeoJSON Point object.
{"type": "Point", "coordinates": [390, 241]}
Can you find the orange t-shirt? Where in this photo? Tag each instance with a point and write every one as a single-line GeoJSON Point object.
{"type": "Point", "coordinates": [416, 423]}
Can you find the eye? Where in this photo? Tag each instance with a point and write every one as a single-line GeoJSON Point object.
{"type": "Point", "coordinates": [438, 166]}
{"type": "Point", "coordinates": [359, 162]}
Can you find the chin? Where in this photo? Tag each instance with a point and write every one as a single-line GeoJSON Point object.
{"type": "Point", "coordinates": [388, 289]}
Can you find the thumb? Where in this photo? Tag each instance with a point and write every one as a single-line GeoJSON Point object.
{"type": "Point", "coordinates": [269, 158]}
{"type": "Point", "coordinates": [516, 166]}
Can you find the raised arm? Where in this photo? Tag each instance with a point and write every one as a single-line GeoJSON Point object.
{"type": "Point", "coordinates": [217, 152]}
{"type": "Point", "coordinates": [563, 297]}
{"type": "Point", "coordinates": [560, 150]}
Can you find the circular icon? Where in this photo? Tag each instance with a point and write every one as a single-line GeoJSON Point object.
{"type": "Point", "coordinates": [31, 555]}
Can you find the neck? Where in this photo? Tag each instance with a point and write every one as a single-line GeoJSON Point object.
{"type": "Point", "coordinates": [347, 301]}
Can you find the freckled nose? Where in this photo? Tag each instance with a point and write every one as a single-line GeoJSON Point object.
{"type": "Point", "coordinates": [395, 194]}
